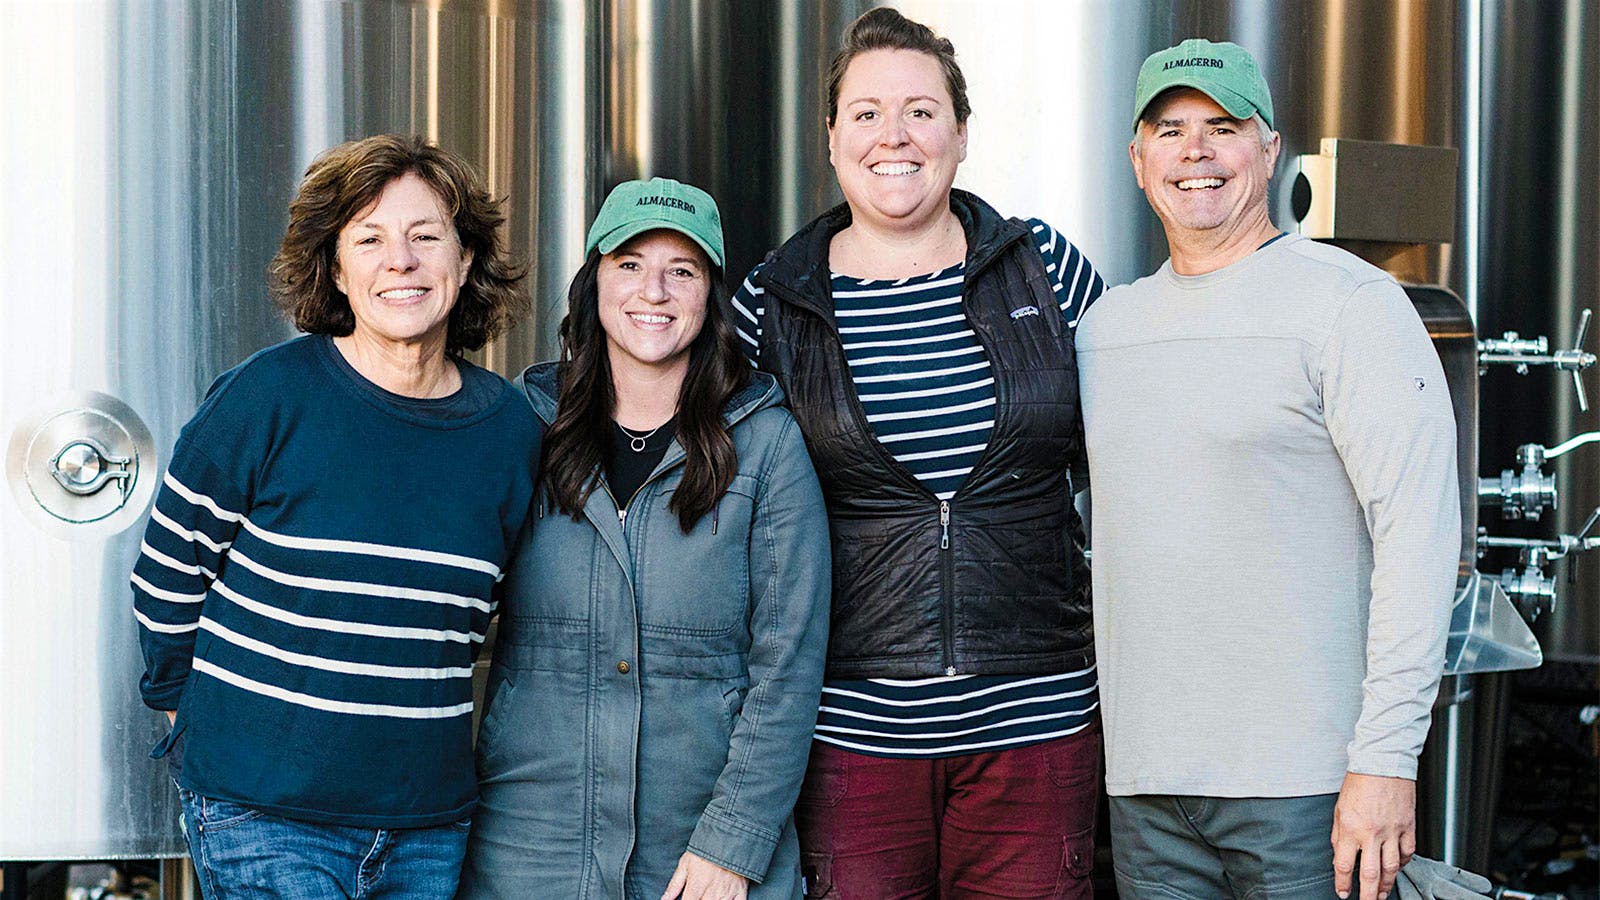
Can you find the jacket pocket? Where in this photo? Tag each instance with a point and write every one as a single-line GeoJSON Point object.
{"type": "Point", "coordinates": [497, 706]}
{"type": "Point", "coordinates": [733, 704]}
{"type": "Point", "coordinates": [696, 585]}
{"type": "Point", "coordinates": [543, 643]}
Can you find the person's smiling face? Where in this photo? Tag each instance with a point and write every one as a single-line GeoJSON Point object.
{"type": "Point", "coordinates": [1201, 168]}
{"type": "Point", "coordinates": [652, 295]}
{"type": "Point", "coordinates": [895, 142]}
{"type": "Point", "coordinates": [401, 265]}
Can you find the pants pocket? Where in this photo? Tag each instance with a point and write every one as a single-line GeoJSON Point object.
{"type": "Point", "coordinates": [219, 815]}
{"type": "Point", "coordinates": [816, 870]}
{"type": "Point", "coordinates": [825, 780]}
{"type": "Point", "coordinates": [1077, 862]}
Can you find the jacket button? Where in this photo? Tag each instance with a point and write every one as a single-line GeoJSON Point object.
{"type": "Point", "coordinates": [623, 667]}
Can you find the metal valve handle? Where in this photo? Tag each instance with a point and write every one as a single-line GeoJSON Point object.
{"type": "Point", "coordinates": [1514, 350]}
{"type": "Point", "coordinates": [1529, 588]}
{"type": "Point", "coordinates": [1543, 549]}
{"type": "Point", "coordinates": [1575, 360]}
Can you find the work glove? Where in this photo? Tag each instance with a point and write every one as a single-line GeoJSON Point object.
{"type": "Point", "coordinates": [1429, 879]}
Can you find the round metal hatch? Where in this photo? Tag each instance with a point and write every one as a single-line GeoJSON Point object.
{"type": "Point", "coordinates": [84, 466]}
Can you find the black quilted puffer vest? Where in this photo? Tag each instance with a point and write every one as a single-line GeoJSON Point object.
{"type": "Point", "coordinates": [994, 580]}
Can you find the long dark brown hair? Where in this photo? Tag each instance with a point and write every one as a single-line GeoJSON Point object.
{"type": "Point", "coordinates": [586, 398]}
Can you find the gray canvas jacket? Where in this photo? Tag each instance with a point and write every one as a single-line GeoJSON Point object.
{"type": "Point", "coordinates": [654, 691]}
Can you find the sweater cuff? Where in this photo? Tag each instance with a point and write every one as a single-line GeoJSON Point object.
{"type": "Point", "coordinates": [163, 697]}
{"type": "Point", "coordinates": [739, 847]}
{"type": "Point", "coordinates": [1387, 764]}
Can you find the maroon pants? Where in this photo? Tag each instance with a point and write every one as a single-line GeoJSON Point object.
{"type": "Point", "coordinates": [1015, 823]}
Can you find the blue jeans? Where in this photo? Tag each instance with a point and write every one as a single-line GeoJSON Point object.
{"type": "Point", "coordinates": [240, 852]}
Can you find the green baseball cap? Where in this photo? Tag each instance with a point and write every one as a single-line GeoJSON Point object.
{"type": "Point", "coordinates": [634, 207]}
{"type": "Point", "coordinates": [1225, 72]}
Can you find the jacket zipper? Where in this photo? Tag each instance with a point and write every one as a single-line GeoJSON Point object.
{"type": "Point", "coordinates": [947, 600]}
{"type": "Point", "coordinates": [622, 508]}
{"type": "Point", "coordinates": [947, 579]}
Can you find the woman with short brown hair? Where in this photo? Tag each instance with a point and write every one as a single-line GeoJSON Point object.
{"type": "Point", "coordinates": [321, 563]}
{"type": "Point", "coordinates": [303, 274]}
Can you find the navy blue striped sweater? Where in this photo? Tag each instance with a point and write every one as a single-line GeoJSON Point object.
{"type": "Point", "coordinates": [315, 582]}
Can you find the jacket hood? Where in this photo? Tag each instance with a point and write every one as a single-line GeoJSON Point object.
{"type": "Point", "coordinates": [538, 382]}
{"type": "Point", "coordinates": [800, 266]}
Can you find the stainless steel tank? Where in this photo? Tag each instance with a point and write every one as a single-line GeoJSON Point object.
{"type": "Point", "coordinates": [152, 147]}
{"type": "Point", "coordinates": [150, 151]}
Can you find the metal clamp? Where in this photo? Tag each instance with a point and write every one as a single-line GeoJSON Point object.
{"type": "Point", "coordinates": [1521, 352]}
{"type": "Point", "coordinates": [85, 466]}
{"type": "Point", "coordinates": [1523, 494]}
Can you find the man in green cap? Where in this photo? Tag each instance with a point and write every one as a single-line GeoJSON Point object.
{"type": "Point", "coordinates": [1276, 523]}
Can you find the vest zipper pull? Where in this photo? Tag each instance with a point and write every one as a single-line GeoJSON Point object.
{"type": "Point", "coordinates": [622, 517]}
{"type": "Point", "coordinates": [944, 524]}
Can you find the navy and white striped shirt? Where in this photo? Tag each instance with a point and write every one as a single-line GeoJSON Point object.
{"type": "Point", "coordinates": [316, 580]}
{"type": "Point", "coordinates": [928, 393]}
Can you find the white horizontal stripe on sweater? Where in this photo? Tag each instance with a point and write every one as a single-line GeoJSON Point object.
{"type": "Point", "coordinates": [364, 548]}
{"type": "Point", "coordinates": [935, 432]}
{"type": "Point", "coordinates": [933, 414]}
{"type": "Point", "coordinates": [155, 555]}
{"type": "Point", "coordinates": [196, 498]}
{"type": "Point", "coordinates": [955, 717]}
{"type": "Point", "coordinates": [930, 392]}
{"type": "Point", "coordinates": [920, 682]}
{"type": "Point", "coordinates": [893, 310]}
{"type": "Point", "coordinates": [323, 703]}
{"type": "Point", "coordinates": [964, 732]}
{"type": "Point", "coordinates": [898, 288]}
{"type": "Point", "coordinates": [909, 342]}
{"type": "Point", "coordinates": [331, 665]}
{"type": "Point", "coordinates": [343, 627]}
{"type": "Point", "coordinates": [947, 451]}
{"type": "Point", "coordinates": [904, 326]}
{"type": "Point", "coordinates": [169, 596]}
{"type": "Point", "coordinates": [193, 537]}
{"type": "Point", "coordinates": [951, 750]}
{"type": "Point", "coordinates": [924, 701]}
{"type": "Point", "coordinates": [363, 588]}
{"type": "Point", "coordinates": [388, 551]}
{"type": "Point", "coordinates": [754, 292]}
{"type": "Point", "coordinates": [162, 627]}
{"type": "Point", "coordinates": [917, 376]}
{"type": "Point", "coordinates": [911, 357]}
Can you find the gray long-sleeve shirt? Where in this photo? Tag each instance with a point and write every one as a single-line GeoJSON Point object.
{"type": "Point", "coordinates": [1276, 524]}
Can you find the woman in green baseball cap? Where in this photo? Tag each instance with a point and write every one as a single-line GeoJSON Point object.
{"type": "Point", "coordinates": [662, 635]}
